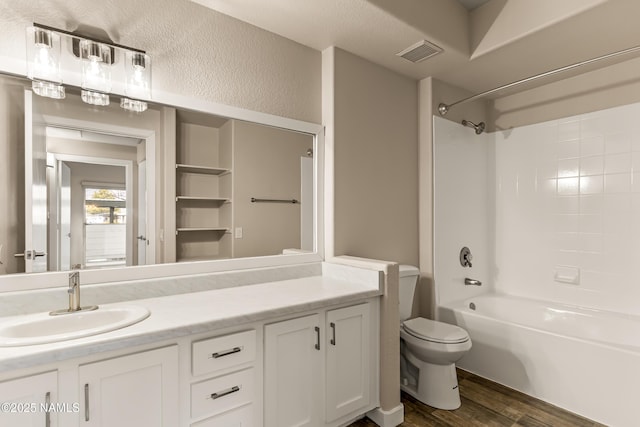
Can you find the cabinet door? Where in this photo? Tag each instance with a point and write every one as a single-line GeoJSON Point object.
{"type": "Point", "coordinates": [131, 391]}
{"type": "Point", "coordinates": [348, 376]}
{"type": "Point", "coordinates": [25, 401]}
{"type": "Point", "coordinates": [293, 372]}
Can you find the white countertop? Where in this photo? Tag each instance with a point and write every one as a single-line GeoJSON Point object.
{"type": "Point", "coordinates": [187, 314]}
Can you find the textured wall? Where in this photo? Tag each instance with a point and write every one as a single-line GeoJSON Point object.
{"type": "Point", "coordinates": [376, 168]}
{"type": "Point", "coordinates": [196, 52]}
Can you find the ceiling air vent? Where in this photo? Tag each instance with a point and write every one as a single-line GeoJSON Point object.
{"type": "Point", "coordinates": [420, 51]}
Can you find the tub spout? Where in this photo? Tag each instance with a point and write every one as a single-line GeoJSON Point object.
{"type": "Point", "coordinates": [472, 282]}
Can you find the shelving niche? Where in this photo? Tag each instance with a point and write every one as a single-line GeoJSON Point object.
{"type": "Point", "coordinates": [204, 185]}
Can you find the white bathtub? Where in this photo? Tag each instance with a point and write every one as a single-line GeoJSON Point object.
{"type": "Point", "coordinates": [586, 361]}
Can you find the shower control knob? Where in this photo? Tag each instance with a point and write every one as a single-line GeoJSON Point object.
{"type": "Point", "coordinates": [466, 257]}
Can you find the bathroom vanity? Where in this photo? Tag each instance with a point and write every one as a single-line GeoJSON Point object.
{"type": "Point", "coordinates": [299, 351]}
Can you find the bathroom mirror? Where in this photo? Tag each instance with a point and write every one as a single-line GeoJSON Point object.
{"type": "Point", "coordinates": [103, 188]}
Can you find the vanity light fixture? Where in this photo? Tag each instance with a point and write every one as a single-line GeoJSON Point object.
{"type": "Point", "coordinates": [96, 72]}
{"type": "Point", "coordinates": [138, 81]}
{"type": "Point", "coordinates": [98, 62]}
{"type": "Point", "coordinates": [43, 62]}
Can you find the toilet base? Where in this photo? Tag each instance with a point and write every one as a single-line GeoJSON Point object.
{"type": "Point", "coordinates": [437, 385]}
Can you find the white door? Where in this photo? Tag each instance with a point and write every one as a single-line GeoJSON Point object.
{"type": "Point", "coordinates": [131, 391]}
{"type": "Point", "coordinates": [348, 363]}
{"type": "Point", "coordinates": [65, 217]}
{"type": "Point", "coordinates": [35, 183]}
{"type": "Point", "coordinates": [293, 372]}
{"type": "Point", "coordinates": [143, 236]}
{"type": "Point", "coordinates": [24, 399]}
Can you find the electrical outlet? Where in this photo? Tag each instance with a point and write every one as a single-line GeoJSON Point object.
{"type": "Point", "coordinates": [238, 233]}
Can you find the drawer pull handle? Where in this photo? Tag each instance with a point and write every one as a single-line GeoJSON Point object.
{"type": "Point", "coordinates": [226, 352]}
{"type": "Point", "coordinates": [317, 338]}
{"type": "Point", "coordinates": [224, 393]}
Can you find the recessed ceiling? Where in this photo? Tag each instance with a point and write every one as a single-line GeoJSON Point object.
{"type": "Point", "coordinates": [472, 4]}
{"type": "Point", "coordinates": [486, 43]}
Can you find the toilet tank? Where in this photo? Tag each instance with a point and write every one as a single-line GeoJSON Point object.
{"type": "Point", "coordinates": [408, 279]}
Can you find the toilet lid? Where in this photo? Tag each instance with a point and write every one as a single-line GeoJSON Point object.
{"type": "Point", "coordinates": [432, 330]}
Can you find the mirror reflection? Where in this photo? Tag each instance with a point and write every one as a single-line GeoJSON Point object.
{"type": "Point", "coordinates": [94, 187]}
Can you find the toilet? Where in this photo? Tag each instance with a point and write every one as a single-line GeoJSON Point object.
{"type": "Point", "coordinates": [429, 351]}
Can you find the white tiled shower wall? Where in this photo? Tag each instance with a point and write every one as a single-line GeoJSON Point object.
{"type": "Point", "coordinates": [563, 205]}
{"type": "Point", "coordinates": [462, 209]}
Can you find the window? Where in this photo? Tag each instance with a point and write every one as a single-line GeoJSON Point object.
{"type": "Point", "coordinates": [105, 226]}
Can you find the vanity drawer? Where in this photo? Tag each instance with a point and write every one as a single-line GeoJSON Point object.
{"type": "Point", "coordinates": [239, 417]}
{"type": "Point", "coordinates": [224, 352]}
{"type": "Point", "coordinates": [222, 394]}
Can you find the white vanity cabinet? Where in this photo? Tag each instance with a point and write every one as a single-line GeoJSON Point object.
{"type": "Point", "coordinates": [293, 372]}
{"type": "Point", "coordinates": [26, 401]}
{"type": "Point", "coordinates": [135, 390]}
{"type": "Point", "coordinates": [223, 388]}
{"type": "Point", "coordinates": [318, 368]}
{"type": "Point", "coordinates": [348, 367]}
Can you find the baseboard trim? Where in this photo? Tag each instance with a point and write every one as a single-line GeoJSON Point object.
{"type": "Point", "coordinates": [391, 418]}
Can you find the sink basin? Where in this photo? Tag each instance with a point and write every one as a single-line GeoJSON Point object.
{"type": "Point", "coordinates": [42, 328]}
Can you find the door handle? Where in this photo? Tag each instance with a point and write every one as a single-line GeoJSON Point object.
{"type": "Point", "coordinates": [87, 416]}
{"type": "Point", "coordinates": [317, 329]}
{"type": "Point", "coordinates": [333, 329]}
{"type": "Point", "coordinates": [29, 254]}
{"type": "Point", "coordinates": [47, 415]}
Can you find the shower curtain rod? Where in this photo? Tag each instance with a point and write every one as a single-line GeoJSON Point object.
{"type": "Point", "coordinates": [444, 108]}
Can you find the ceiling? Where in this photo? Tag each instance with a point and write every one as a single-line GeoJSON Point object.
{"type": "Point", "coordinates": [472, 4]}
{"type": "Point", "coordinates": [486, 43]}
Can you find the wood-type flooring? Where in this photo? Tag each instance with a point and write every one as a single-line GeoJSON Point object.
{"type": "Point", "coordinates": [486, 403]}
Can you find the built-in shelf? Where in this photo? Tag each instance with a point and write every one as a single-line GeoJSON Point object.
{"type": "Point", "coordinates": [201, 169]}
{"type": "Point", "coordinates": [202, 199]}
{"type": "Point", "coordinates": [188, 229]}
{"type": "Point", "coordinates": [202, 258]}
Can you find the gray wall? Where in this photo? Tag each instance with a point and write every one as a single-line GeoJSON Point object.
{"type": "Point", "coordinates": [266, 164]}
{"type": "Point", "coordinates": [11, 175]}
{"type": "Point", "coordinates": [376, 167]}
{"type": "Point", "coordinates": [196, 52]}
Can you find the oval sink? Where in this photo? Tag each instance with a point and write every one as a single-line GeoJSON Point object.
{"type": "Point", "coordinates": [43, 328]}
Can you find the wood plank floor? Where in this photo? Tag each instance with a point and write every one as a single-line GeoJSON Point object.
{"type": "Point", "coordinates": [485, 403]}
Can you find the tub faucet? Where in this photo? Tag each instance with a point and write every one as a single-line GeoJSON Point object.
{"type": "Point", "coordinates": [472, 282]}
{"type": "Point", "coordinates": [74, 297]}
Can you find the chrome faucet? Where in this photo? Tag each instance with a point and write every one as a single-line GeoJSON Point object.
{"type": "Point", "coordinates": [74, 291]}
{"type": "Point", "coordinates": [472, 282]}
{"type": "Point", "coordinates": [74, 297]}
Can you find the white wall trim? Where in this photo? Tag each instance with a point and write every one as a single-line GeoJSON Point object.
{"type": "Point", "coordinates": [328, 116]}
{"type": "Point", "coordinates": [391, 418]}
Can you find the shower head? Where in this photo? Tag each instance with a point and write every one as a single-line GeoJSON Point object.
{"type": "Point", "coordinates": [479, 128]}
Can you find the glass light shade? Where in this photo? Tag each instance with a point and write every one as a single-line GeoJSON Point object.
{"type": "Point", "coordinates": [48, 89]}
{"type": "Point", "coordinates": [43, 55]}
{"type": "Point", "coordinates": [94, 98]}
{"type": "Point", "coordinates": [96, 66]}
{"type": "Point", "coordinates": [133, 105]}
{"type": "Point", "coordinates": [138, 75]}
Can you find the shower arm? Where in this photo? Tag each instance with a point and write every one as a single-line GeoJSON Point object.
{"type": "Point", "coordinates": [443, 108]}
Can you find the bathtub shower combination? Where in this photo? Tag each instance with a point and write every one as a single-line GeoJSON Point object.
{"type": "Point", "coordinates": [583, 360]}
{"type": "Point", "coordinates": [550, 212]}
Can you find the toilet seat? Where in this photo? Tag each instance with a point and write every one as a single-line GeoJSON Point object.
{"type": "Point", "coordinates": [433, 331]}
